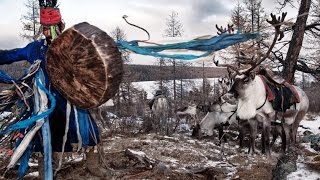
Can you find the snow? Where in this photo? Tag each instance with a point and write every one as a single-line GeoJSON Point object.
{"type": "Point", "coordinates": [139, 153]}
{"type": "Point", "coordinates": [4, 115]}
{"type": "Point", "coordinates": [303, 173]}
{"type": "Point", "coordinates": [312, 125]}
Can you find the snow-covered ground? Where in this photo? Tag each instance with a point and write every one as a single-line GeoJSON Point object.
{"type": "Point", "coordinates": [303, 172]}
{"type": "Point", "coordinates": [184, 155]}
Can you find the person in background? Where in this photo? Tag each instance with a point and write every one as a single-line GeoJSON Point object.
{"type": "Point", "coordinates": [158, 93]}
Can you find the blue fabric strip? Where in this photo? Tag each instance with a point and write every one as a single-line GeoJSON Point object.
{"type": "Point", "coordinates": [46, 134]}
{"type": "Point", "coordinates": [83, 119]}
{"type": "Point", "coordinates": [207, 45]}
{"type": "Point", "coordinates": [27, 122]}
{"type": "Point", "coordinates": [24, 161]}
{"type": "Point", "coordinates": [5, 78]}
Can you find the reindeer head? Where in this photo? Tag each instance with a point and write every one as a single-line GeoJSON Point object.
{"type": "Point", "coordinates": [242, 83]}
{"type": "Point", "coordinates": [225, 84]}
{"type": "Point", "coordinates": [243, 79]}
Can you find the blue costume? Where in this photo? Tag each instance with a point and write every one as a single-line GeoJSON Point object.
{"type": "Point", "coordinates": [36, 50]}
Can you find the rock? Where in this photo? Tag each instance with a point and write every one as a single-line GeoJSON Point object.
{"type": "Point", "coordinates": [285, 165]}
{"type": "Point", "coordinates": [162, 168]}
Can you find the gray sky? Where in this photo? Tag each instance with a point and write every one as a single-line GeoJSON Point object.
{"type": "Point", "coordinates": [198, 17]}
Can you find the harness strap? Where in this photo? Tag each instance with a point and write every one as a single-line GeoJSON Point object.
{"type": "Point", "coordinates": [263, 102]}
{"type": "Point", "coordinates": [231, 114]}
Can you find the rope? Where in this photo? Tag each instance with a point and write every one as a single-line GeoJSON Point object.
{"type": "Point", "coordinates": [65, 136]}
{"type": "Point", "coordinates": [125, 16]}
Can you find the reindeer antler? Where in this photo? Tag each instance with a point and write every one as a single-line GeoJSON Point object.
{"type": "Point", "coordinates": [222, 30]}
{"type": "Point", "coordinates": [230, 28]}
{"type": "Point", "coordinates": [276, 23]}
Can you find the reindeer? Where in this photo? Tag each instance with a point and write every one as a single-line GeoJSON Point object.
{"type": "Point", "coordinates": [160, 112]}
{"type": "Point", "coordinates": [222, 113]}
{"type": "Point", "coordinates": [251, 91]}
{"type": "Point", "coordinates": [189, 111]}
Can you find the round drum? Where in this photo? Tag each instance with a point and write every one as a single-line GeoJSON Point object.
{"type": "Point", "coordinates": [85, 65]}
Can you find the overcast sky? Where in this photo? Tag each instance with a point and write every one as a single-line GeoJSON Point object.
{"type": "Point", "coordinates": [198, 17]}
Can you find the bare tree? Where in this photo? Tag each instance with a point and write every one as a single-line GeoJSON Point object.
{"type": "Point", "coordinates": [30, 20]}
{"type": "Point", "coordinates": [30, 26]}
{"type": "Point", "coordinates": [123, 94]}
{"type": "Point", "coordinates": [173, 29]}
{"type": "Point", "coordinates": [238, 17]}
{"type": "Point", "coordinates": [255, 15]}
{"type": "Point", "coordinates": [304, 35]}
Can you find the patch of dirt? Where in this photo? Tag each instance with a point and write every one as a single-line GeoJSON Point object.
{"type": "Point", "coordinates": [260, 170]}
{"type": "Point", "coordinates": [175, 157]}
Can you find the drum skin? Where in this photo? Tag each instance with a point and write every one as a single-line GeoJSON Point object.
{"type": "Point", "coordinates": [84, 64]}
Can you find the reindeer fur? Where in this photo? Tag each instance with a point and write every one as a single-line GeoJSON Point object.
{"type": "Point", "coordinates": [251, 95]}
{"type": "Point", "coordinates": [160, 111]}
{"type": "Point", "coordinates": [221, 114]}
{"type": "Point", "coordinates": [191, 111]}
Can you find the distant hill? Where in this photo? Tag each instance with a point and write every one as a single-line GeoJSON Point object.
{"type": "Point", "coordinates": [152, 72]}
{"type": "Point", "coordinates": [142, 72]}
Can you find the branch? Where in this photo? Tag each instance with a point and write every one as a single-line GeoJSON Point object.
{"type": "Point", "coordinates": [313, 26]}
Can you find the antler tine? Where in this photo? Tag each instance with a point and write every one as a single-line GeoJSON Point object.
{"type": "Point", "coordinates": [230, 28]}
{"type": "Point", "coordinates": [276, 23]}
{"type": "Point", "coordinates": [220, 30]}
{"type": "Point", "coordinates": [284, 14]}
{"type": "Point", "coordinates": [233, 68]}
{"type": "Point", "coordinates": [228, 67]}
{"type": "Point", "coordinates": [242, 58]}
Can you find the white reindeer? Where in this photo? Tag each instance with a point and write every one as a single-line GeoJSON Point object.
{"type": "Point", "coordinates": [222, 114]}
{"type": "Point", "coordinates": [253, 105]}
{"type": "Point", "coordinates": [160, 112]}
{"type": "Point", "coordinates": [189, 111]}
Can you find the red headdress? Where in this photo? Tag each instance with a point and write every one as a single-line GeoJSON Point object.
{"type": "Point", "coordinates": [50, 16]}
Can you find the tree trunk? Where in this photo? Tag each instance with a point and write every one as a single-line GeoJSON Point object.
{"type": "Point", "coordinates": [296, 41]}
{"type": "Point", "coordinates": [203, 85]}
{"type": "Point", "coordinates": [174, 83]}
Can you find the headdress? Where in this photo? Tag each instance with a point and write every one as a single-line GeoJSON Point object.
{"type": "Point", "coordinates": [50, 16]}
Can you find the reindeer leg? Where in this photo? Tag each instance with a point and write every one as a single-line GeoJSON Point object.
{"type": "Point", "coordinates": [267, 138]}
{"type": "Point", "coordinates": [220, 129]}
{"type": "Point", "coordinates": [285, 137]}
{"type": "Point", "coordinates": [263, 142]}
{"type": "Point", "coordinates": [275, 135]}
{"type": "Point", "coordinates": [177, 123]}
{"type": "Point", "coordinates": [253, 134]}
{"type": "Point", "coordinates": [296, 125]}
{"type": "Point", "coordinates": [241, 135]}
